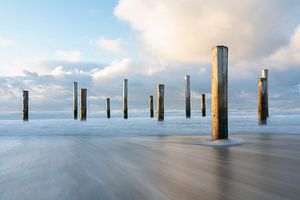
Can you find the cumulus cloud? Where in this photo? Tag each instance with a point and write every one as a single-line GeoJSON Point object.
{"type": "Point", "coordinates": [179, 35]}
{"type": "Point", "coordinates": [287, 56]}
{"type": "Point", "coordinates": [70, 56]}
{"type": "Point", "coordinates": [53, 90]}
{"type": "Point", "coordinates": [185, 30]}
{"type": "Point", "coordinates": [113, 45]}
{"type": "Point", "coordinates": [6, 42]}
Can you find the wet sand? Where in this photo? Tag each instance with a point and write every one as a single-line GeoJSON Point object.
{"type": "Point", "coordinates": [166, 167]}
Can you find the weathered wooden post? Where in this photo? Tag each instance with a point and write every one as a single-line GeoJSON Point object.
{"type": "Point", "coordinates": [265, 74]}
{"type": "Point", "coordinates": [203, 107]}
{"type": "Point", "coordinates": [75, 100]}
{"type": "Point", "coordinates": [262, 100]}
{"type": "Point", "coordinates": [25, 105]}
{"type": "Point", "coordinates": [160, 102]}
{"type": "Point", "coordinates": [83, 102]}
{"type": "Point", "coordinates": [219, 92]}
{"type": "Point", "coordinates": [108, 107]}
{"type": "Point", "coordinates": [151, 107]}
{"type": "Point", "coordinates": [187, 97]}
{"type": "Point", "coordinates": [125, 98]}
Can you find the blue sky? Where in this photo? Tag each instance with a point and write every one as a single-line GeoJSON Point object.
{"type": "Point", "coordinates": [46, 45]}
{"type": "Point", "coordinates": [40, 28]}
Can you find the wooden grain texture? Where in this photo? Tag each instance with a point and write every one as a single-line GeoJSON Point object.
{"type": "Point", "coordinates": [125, 98]}
{"type": "Point", "coordinates": [262, 100]}
{"type": "Point", "coordinates": [83, 104]}
{"type": "Point", "coordinates": [187, 97]}
{"type": "Point", "coordinates": [75, 100]}
{"type": "Point", "coordinates": [203, 106]}
{"type": "Point", "coordinates": [219, 92]}
{"type": "Point", "coordinates": [160, 102]}
{"type": "Point", "coordinates": [265, 74]}
{"type": "Point", "coordinates": [25, 105]}
{"type": "Point", "coordinates": [151, 107]}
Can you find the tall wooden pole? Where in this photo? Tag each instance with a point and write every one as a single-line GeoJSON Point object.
{"type": "Point", "coordinates": [265, 74]}
{"type": "Point", "coordinates": [219, 92]}
{"type": "Point", "coordinates": [262, 100]}
{"type": "Point", "coordinates": [203, 106]}
{"type": "Point", "coordinates": [108, 107]}
{"type": "Point", "coordinates": [75, 100]}
{"type": "Point", "coordinates": [125, 98]}
{"type": "Point", "coordinates": [25, 105]}
{"type": "Point", "coordinates": [83, 102]}
{"type": "Point", "coordinates": [151, 107]}
{"type": "Point", "coordinates": [187, 97]}
{"type": "Point", "coordinates": [160, 102]}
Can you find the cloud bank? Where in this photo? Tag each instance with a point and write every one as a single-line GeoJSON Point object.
{"type": "Point", "coordinates": [186, 30]}
{"type": "Point", "coordinates": [176, 38]}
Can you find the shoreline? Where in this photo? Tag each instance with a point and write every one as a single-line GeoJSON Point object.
{"type": "Point", "coordinates": [155, 167]}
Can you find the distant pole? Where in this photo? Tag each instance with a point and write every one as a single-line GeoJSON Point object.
{"type": "Point", "coordinates": [219, 92]}
{"type": "Point", "coordinates": [151, 107]}
{"type": "Point", "coordinates": [160, 102]}
{"type": "Point", "coordinates": [25, 105]}
{"type": "Point", "coordinates": [83, 106]}
{"type": "Point", "coordinates": [75, 100]}
{"type": "Point", "coordinates": [262, 100]}
{"type": "Point", "coordinates": [203, 107]}
{"type": "Point", "coordinates": [265, 74]}
{"type": "Point", "coordinates": [108, 107]}
{"type": "Point", "coordinates": [125, 98]}
{"type": "Point", "coordinates": [187, 97]}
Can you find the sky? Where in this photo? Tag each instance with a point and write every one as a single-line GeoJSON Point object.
{"type": "Point", "coordinates": [46, 45]}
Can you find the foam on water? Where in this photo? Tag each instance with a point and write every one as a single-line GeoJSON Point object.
{"type": "Point", "coordinates": [240, 122]}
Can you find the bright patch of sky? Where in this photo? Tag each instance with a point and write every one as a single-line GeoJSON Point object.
{"type": "Point", "coordinates": [42, 29]}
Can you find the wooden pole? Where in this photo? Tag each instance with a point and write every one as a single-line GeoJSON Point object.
{"type": "Point", "coordinates": [25, 105]}
{"type": "Point", "coordinates": [125, 98]}
{"type": "Point", "coordinates": [151, 107]}
{"type": "Point", "coordinates": [265, 74]}
{"type": "Point", "coordinates": [108, 107]}
{"type": "Point", "coordinates": [203, 106]}
{"type": "Point", "coordinates": [75, 100]}
{"type": "Point", "coordinates": [83, 106]}
{"type": "Point", "coordinates": [160, 102]}
{"type": "Point", "coordinates": [187, 97]}
{"type": "Point", "coordinates": [262, 100]}
{"type": "Point", "coordinates": [219, 92]}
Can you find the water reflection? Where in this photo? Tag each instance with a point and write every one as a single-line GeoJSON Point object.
{"type": "Point", "coordinates": [223, 172]}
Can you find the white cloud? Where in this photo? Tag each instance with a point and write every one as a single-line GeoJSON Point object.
{"type": "Point", "coordinates": [6, 42]}
{"type": "Point", "coordinates": [186, 30]}
{"type": "Point", "coordinates": [59, 71]}
{"type": "Point", "coordinates": [53, 90]}
{"type": "Point", "coordinates": [70, 56]}
{"type": "Point", "coordinates": [116, 68]}
{"type": "Point", "coordinates": [113, 45]}
{"type": "Point", "coordinates": [287, 56]}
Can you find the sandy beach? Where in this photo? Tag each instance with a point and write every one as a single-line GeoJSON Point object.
{"type": "Point", "coordinates": [266, 166]}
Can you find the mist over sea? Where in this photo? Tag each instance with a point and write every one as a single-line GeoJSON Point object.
{"type": "Point", "coordinates": [140, 124]}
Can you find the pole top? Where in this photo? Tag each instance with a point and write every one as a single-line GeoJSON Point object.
{"type": "Point", "coordinates": [221, 47]}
